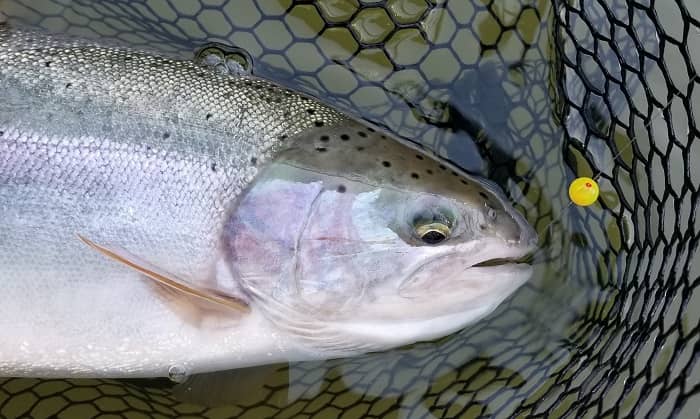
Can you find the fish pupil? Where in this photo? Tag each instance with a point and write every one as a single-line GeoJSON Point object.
{"type": "Point", "coordinates": [433, 237]}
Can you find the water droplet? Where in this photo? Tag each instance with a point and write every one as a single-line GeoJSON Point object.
{"type": "Point", "coordinates": [224, 59]}
{"type": "Point", "coordinates": [177, 373]}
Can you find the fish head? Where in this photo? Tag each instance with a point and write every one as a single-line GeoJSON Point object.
{"type": "Point", "coordinates": [354, 242]}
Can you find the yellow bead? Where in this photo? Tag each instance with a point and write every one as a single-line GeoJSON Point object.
{"type": "Point", "coordinates": [584, 191]}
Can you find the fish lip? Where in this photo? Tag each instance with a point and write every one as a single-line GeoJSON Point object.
{"type": "Point", "coordinates": [524, 257]}
{"type": "Point", "coordinates": [523, 260]}
{"type": "Point", "coordinates": [516, 255]}
{"type": "Point", "coordinates": [519, 253]}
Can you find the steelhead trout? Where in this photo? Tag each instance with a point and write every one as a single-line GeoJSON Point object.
{"type": "Point", "coordinates": [156, 215]}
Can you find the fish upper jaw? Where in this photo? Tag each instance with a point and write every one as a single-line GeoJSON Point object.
{"type": "Point", "coordinates": [453, 265]}
{"type": "Point", "coordinates": [528, 237]}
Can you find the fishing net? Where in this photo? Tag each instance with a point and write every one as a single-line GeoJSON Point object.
{"type": "Point", "coordinates": [528, 93]}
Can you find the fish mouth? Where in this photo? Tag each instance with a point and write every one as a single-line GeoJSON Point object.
{"type": "Point", "coordinates": [525, 259]}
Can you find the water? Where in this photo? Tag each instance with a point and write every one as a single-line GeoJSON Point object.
{"type": "Point", "coordinates": [477, 84]}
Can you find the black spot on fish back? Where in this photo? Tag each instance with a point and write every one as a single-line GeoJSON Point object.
{"type": "Point", "coordinates": [253, 160]}
{"type": "Point", "coordinates": [325, 138]}
{"type": "Point", "coordinates": [386, 163]}
{"type": "Point", "coordinates": [415, 175]}
{"type": "Point", "coordinates": [341, 188]}
{"type": "Point", "coordinates": [345, 137]}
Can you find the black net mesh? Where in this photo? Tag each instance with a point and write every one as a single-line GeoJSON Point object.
{"type": "Point", "coordinates": [528, 93]}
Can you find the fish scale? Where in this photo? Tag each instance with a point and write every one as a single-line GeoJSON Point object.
{"type": "Point", "coordinates": [158, 216]}
{"type": "Point", "coordinates": [253, 113]}
{"type": "Point", "coordinates": [140, 137]}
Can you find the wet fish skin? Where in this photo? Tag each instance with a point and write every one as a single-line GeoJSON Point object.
{"type": "Point", "coordinates": [156, 150]}
{"type": "Point", "coordinates": [171, 162]}
{"type": "Point", "coordinates": [169, 118]}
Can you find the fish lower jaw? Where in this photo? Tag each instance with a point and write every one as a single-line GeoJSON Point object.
{"type": "Point", "coordinates": [379, 336]}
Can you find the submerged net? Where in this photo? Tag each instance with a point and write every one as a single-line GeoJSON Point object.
{"type": "Point", "coordinates": [528, 93]}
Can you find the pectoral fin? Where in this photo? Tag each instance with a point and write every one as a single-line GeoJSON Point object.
{"type": "Point", "coordinates": [168, 280]}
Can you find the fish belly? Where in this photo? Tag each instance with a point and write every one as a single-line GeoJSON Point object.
{"type": "Point", "coordinates": [137, 152]}
{"type": "Point", "coordinates": [66, 310]}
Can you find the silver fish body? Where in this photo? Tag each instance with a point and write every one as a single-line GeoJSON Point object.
{"type": "Point", "coordinates": [206, 178]}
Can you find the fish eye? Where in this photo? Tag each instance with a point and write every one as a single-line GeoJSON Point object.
{"type": "Point", "coordinates": [433, 233]}
{"type": "Point", "coordinates": [433, 226]}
